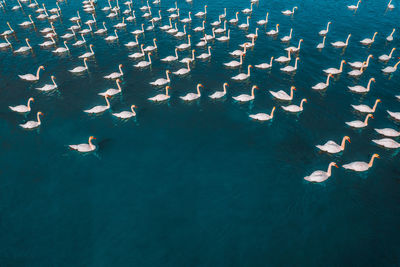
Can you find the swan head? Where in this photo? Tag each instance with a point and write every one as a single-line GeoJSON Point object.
{"type": "Point", "coordinates": [31, 99]}
{"type": "Point", "coordinates": [376, 156]}
{"type": "Point", "coordinates": [347, 139]}
{"type": "Point", "coordinates": [107, 96]}
{"type": "Point", "coordinates": [91, 45]}
{"type": "Point", "coordinates": [85, 59]}
{"type": "Point", "coordinates": [41, 67]}
{"type": "Point", "coordinates": [255, 87]}
{"type": "Point", "coordinates": [373, 79]}
{"type": "Point", "coordinates": [167, 87]}
{"type": "Point", "coordinates": [40, 113]}
{"type": "Point", "coordinates": [92, 137]}
{"type": "Point", "coordinates": [344, 61]}
{"type": "Point", "coordinates": [118, 81]}
{"type": "Point", "coordinates": [27, 39]}
{"type": "Point", "coordinates": [52, 76]}
{"type": "Point", "coordinates": [370, 116]}
{"type": "Point", "coordinates": [133, 106]}
{"type": "Point", "coordinates": [304, 100]}
{"type": "Point", "coordinates": [334, 164]}
{"type": "Point", "coordinates": [200, 85]}
{"type": "Point", "coordinates": [329, 22]}
{"type": "Point", "coordinates": [226, 84]}
{"type": "Point", "coordinates": [378, 101]}
{"type": "Point", "coordinates": [293, 88]}
{"type": "Point", "coordinates": [330, 75]}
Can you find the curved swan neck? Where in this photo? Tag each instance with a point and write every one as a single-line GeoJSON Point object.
{"type": "Point", "coordinates": [291, 92]}
{"type": "Point", "coordinates": [91, 49]}
{"type": "Point", "coordinates": [343, 144]}
{"type": "Point", "coordinates": [391, 52]}
{"type": "Point", "coordinates": [241, 59]}
{"type": "Point", "coordinates": [341, 65]}
{"type": "Point", "coordinates": [29, 103]}
{"type": "Point", "coordinates": [395, 66]}
{"type": "Point", "coordinates": [252, 91]}
{"type": "Point", "coordinates": [38, 117]}
{"type": "Point", "coordinates": [118, 85]}
{"type": "Point", "coordinates": [277, 27]}
{"type": "Point", "coordinates": [323, 41]}
{"type": "Point", "coordinates": [27, 42]}
{"type": "Point", "coordinates": [369, 57]}
{"type": "Point", "coordinates": [90, 143]}
{"type": "Point", "coordinates": [329, 172]}
{"type": "Point", "coordinates": [327, 27]}
{"type": "Point", "coordinates": [271, 60]}
{"type": "Point", "coordinates": [302, 103]}
{"type": "Point", "coordinates": [373, 38]}
{"type": "Point", "coordinates": [347, 40]}
{"type": "Point", "coordinates": [375, 105]}
{"type": "Point", "coordinates": [66, 47]}
{"type": "Point", "coordinates": [327, 80]}
{"type": "Point", "coordinates": [298, 47]}
{"type": "Point", "coordinates": [38, 72]}
{"type": "Point", "coordinates": [54, 82]}
{"type": "Point", "coordinates": [120, 70]}
{"type": "Point", "coordinates": [108, 102]}
{"type": "Point", "coordinates": [369, 83]}
{"type": "Point", "coordinates": [198, 90]}
{"type": "Point", "coordinates": [371, 162]}
{"type": "Point", "coordinates": [366, 119]}
{"type": "Point", "coordinates": [84, 62]}
{"type": "Point", "coordinates": [149, 57]}
{"type": "Point", "coordinates": [248, 70]}
{"type": "Point", "coordinates": [272, 112]}
{"type": "Point", "coordinates": [295, 64]}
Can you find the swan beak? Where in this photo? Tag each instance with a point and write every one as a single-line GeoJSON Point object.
{"type": "Point", "coordinates": [336, 166]}
{"type": "Point", "coordinates": [378, 156]}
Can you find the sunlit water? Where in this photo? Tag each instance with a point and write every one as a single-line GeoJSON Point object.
{"type": "Point", "coordinates": [199, 184]}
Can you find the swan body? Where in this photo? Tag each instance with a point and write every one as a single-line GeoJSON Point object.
{"type": "Point", "coordinates": [340, 44]}
{"type": "Point", "coordinates": [48, 87]}
{"type": "Point", "coordinates": [387, 57]}
{"type": "Point", "coordinates": [84, 148]}
{"type": "Point", "coordinates": [162, 81]}
{"type": "Point", "coordinates": [32, 124]}
{"type": "Point", "coordinates": [188, 59]}
{"type": "Point", "coordinates": [332, 147]}
{"type": "Point", "coordinates": [188, 19]}
{"type": "Point", "coordinates": [365, 108]}
{"type": "Point", "coordinates": [161, 97]}
{"type": "Point", "coordinates": [6, 44]}
{"type": "Point", "coordinates": [394, 115]}
{"type": "Point", "coordinates": [102, 31]}
{"type": "Point", "coordinates": [287, 38]}
{"type": "Point", "coordinates": [243, 76]}
{"type": "Point", "coordinates": [27, 23]}
{"type": "Point", "coordinates": [183, 71]}
{"type": "Point", "coordinates": [235, 20]}
{"type": "Point", "coordinates": [23, 108]}
{"type": "Point", "coordinates": [24, 49]}
{"type": "Point", "coordinates": [132, 44]}
{"type": "Point", "coordinates": [144, 64]}
{"type": "Point", "coordinates": [325, 32]}
{"type": "Point", "coordinates": [359, 64]}
{"type": "Point", "coordinates": [111, 38]}
{"type": "Point", "coordinates": [246, 25]}
{"type": "Point", "coordinates": [88, 54]}
{"type": "Point", "coordinates": [390, 37]}
{"type": "Point", "coordinates": [171, 58]}
{"type": "Point", "coordinates": [391, 69]}
{"type": "Point", "coordinates": [282, 95]}
{"type": "Point", "coordinates": [263, 116]}
{"type": "Point", "coordinates": [289, 12]}
{"type": "Point", "coordinates": [387, 143]}
{"type": "Point", "coordinates": [205, 55]}
{"type": "Point", "coordinates": [246, 97]}
{"type": "Point", "coordinates": [80, 42]}
{"type": "Point", "coordinates": [295, 108]}
{"type": "Point", "coordinates": [362, 89]}
{"type": "Point", "coordinates": [283, 59]}
{"type": "Point", "coordinates": [274, 32]}
{"type": "Point", "coordinates": [321, 45]}
{"type": "Point", "coordinates": [126, 114]}
{"type": "Point", "coordinates": [321, 176]}
{"type": "Point", "coordinates": [61, 50]}
{"type": "Point", "coordinates": [353, 7]}
{"type": "Point", "coordinates": [358, 123]}
{"type": "Point", "coordinates": [262, 21]}
{"type": "Point", "coordinates": [201, 13]}
{"type": "Point", "coordinates": [151, 48]}
{"type": "Point", "coordinates": [294, 49]}
{"type": "Point", "coordinates": [322, 86]}
{"type": "Point", "coordinates": [360, 166]}
{"type": "Point", "coordinates": [225, 38]}
{"type": "Point", "coordinates": [248, 10]}
{"type": "Point", "coordinates": [335, 71]}
{"type": "Point", "coordinates": [219, 94]}
{"type": "Point", "coordinates": [265, 65]}
{"type": "Point", "coordinates": [389, 132]}
{"type": "Point", "coordinates": [80, 68]}
{"type": "Point", "coordinates": [116, 75]}
{"type": "Point", "coordinates": [192, 96]}
{"type": "Point", "coordinates": [234, 63]}
{"type": "Point", "coordinates": [31, 77]}
{"type": "Point", "coordinates": [185, 46]}
{"type": "Point", "coordinates": [291, 68]}
{"type": "Point", "coordinates": [99, 109]}
{"type": "Point", "coordinates": [368, 41]}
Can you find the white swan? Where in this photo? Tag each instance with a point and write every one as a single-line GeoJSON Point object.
{"type": "Point", "coordinates": [188, 59]}
{"type": "Point", "coordinates": [8, 32]}
{"type": "Point", "coordinates": [99, 109]}
{"type": "Point", "coordinates": [390, 6]}
{"type": "Point", "coordinates": [61, 50]}
{"type": "Point", "coordinates": [48, 87]}
{"type": "Point", "coordinates": [183, 71]}
{"type": "Point", "coordinates": [291, 68]}
{"type": "Point", "coordinates": [6, 44]}
{"type": "Point", "coordinates": [340, 44]}
{"type": "Point", "coordinates": [263, 116]}
{"type": "Point", "coordinates": [359, 64]}
{"type": "Point", "coordinates": [356, 73]}
{"type": "Point", "coordinates": [80, 42]}
{"type": "Point", "coordinates": [387, 57]}
{"type": "Point", "coordinates": [287, 38]}
{"type": "Point", "coordinates": [243, 76]}
{"type": "Point", "coordinates": [391, 69]}
{"type": "Point", "coordinates": [121, 24]}
{"type": "Point", "coordinates": [321, 45]}
{"type": "Point", "coordinates": [24, 49]}
{"type": "Point", "coordinates": [325, 32]}
{"type": "Point", "coordinates": [245, 26]}
{"type": "Point", "coordinates": [205, 55]}
{"type": "Point", "coordinates": [362, 89]}
{"type": "Point", "coordinates": [161, 97]}
{"type": "Point", "coordinates": [321, 176]}
{"type": "Point", "coordinates": [171, 58]}
{"type": "Point", "coordinates": [116, 75]}
{"type": "Point", "coordinates": [33, 124]}
{"type": "Point", "coordinates": [265, 65]}
{"type": "Point", "coordinates": [185, 46]}
{"type": "Point", "coordinates": [80, 68]}
{"type": "Point", "coordinates": [23, 108]}
{"type": "Point", "coordinates": [200, 29]}
{"type": "Point", "coordinates": [151, 48]}
{"type": "Point", "coordinates": [84, 148]}
{"type": "Point", "coordinates": [389, 132]}
{"type": "Point", "coordinates": [132, 44]}
{"type": "Point", "coordinates": [126, 114]}
{"type": "Point", "coordinates": [353, 7]}
{"type": "Point", "coordinates": [294, 49]}
{"type": "Point", "coordinates": [219, 94]}
{"type": "Point", "coordinates": [360, 166]}
{"type": "Point", "coordinates": [48, 43]}
{"type": "Point", "coordinates": [201, 13]}
{"type": "Point", "coordinates": [234, 63]}
{"type": "Point", "coordinates": [88, 54]}
{"type": "Point", "coordinates": [335, 71]}
{"type": "Point", "coordinates": [246, 97]}
{"type": "Point", "coordinates": [262, 21]}
{"type": "Point", "coordinates": [322, 86]}
{"type": "Point", "coordinates": [235, 20]}
{"type": "Point", "coordinates": [368, 41]}
{"type": "Point", "coordinates": [390, 37]}
{"type": "Point", "coordinates": [248, 10]}
{"type": "Point", "coordinates": [192, 96]}
{"type": "Point", "coordinates": [162, 81]}
{"type": "Point", "coordinates": [295, 108]}
{"type": "Point", "coordinates": [394, 115]}
{"type": "Point", "coordinates": [358, 123]}
{"type": "Point", "coordinates": [86, 31]}
{"type": "Point", "coordinates": [387, 143]}
{"type": "Point", "coordinates": [283, 59]}
{"type": "Point", "coordinates": [282, 95]}
{"type": "Point", "coordinates": [274, 32]}
{"type": "Point", "coordinates": [31, 77]}
{"type": "Point", "coordinates": [188, 19]}
{"type": "Point", "coordinates": [27, 23]}
{"type": "Point", "coordinates": [225, 38]}
{"type": "Point", "coordinates": [111, 38]}
{"type": "Point", "coordinates": [289, 12]}
{"type": "Point", "coordinates": [365, 108]}
{"type": "Point", "coordinates": [144, 63]}
{"type": "Point", "coordinates": [332, 147]}
{"type": "Point", "coordinates": [181, 34]}
{"type": "Point", "coordinates": [222, 30]}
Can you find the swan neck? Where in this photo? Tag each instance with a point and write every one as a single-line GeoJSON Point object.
{"type": "Point", "coordinates": [327, 80]}
{"type": "Point", "coordinates": [248, 71]}
{"type": "Point", "coordinates": [198, 90]}
{"type": "Point", "coordinates": [366, 120]}
{"type": "Point", "coordinates": [371, 162]}
{"type": "Point", "coordinates": [391, 52]}
{"type": "Point", "coordinates": [343, 144]}
{"type": "Point", "coordinates": [375, 105]}
{"type": "Point", "coordinates": [395, 66]}
{"type": "Point", "coordinates": [108, 102]}
{"type": "Point", "coordinates": [38, 73]}
{"type": "Point", "coordinates": [38, 118]}
{"type": "Point", "coordinates": [272, 113]}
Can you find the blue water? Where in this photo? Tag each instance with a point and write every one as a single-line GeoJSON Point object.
{"type": "Point", "coordinates": [199, 184]}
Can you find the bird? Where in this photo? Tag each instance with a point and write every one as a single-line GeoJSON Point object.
{"type": "Point", "coordinates": [162, 81]}
{"type": "Point", "coordinates": [121, 24]}
{"type": "Point", "coordinates": [185, 46]}
{"type": "Point", "coordinates": [325, 32]}
{"type": "Point", "coordinates": [27, 23]}
{"type": "Point", "coordinates": [126, 114]}
{"type": "Point", "coordinates": [356, 73]}
{"type": "Point", "coordinates": [289, 12]}
{"type": "Point", "coordinates": [391, 69]}
{"type": "Point", "coordinates": [6, 44]}
{"type": "Point", "coordinates": [205, 55]}
{"type": "Point", "coordinates": [394, 115]}
{"type": "Point", "coordinates": [389, 132]}
{"type": "Point", "coordinates": [237, 53]}
{"type": "Point", "coordinates": [139, 31]}
{"type": "Point", "coordinates": [321, 176]}
{"type": "Point", "coordinates": [188, 19]}
{"type": "Point", "coordinates": [390, 6]}
{"type": "Point", "coordinates": [263, 116]}
{"type": "Point", "coordinates": [183, 71]}
{"type": "Point", "coordinates": [161, 97]}
{"type": "Point", "coordinates": [234, 63]}
{"type": "Point", "coordinates": [116, 75]}
{"type": "Point", "coordinates": [353, 7]}
{"type": "Point", "coordinates": [322, 86]}
{"type": "Point", "coordinates": [365, 108]}
{"type": "Point", "coordinates": [171, 58]}
{"type": "Point", "coordinates": [99, 109]}
{"type": "Point", "coordinates": [188, 59]}
{"type": "Point", "coordinates": [225, 38]}
{"type": "Point", "coordinates": [102, 31]}
{"type": "Point", "coordinates": [144, 63]}
{"type": "Point", "coordinates": [262, 21]}
{"type": "Point", "coordinates": [80, 68]}
{"type": "Point", "coordinates": [368, 41]}
{"type": "Point", "coordinates": [48, 43]}
{"type": "Point", "coordinates": [111, 92]}
{"type": "Point", "coordinates": [265, 65]}
{"type": "Point", "coordinates": [358, 123]}
{"type": "Point", "coordinates": [294, 49]}
{"type": "Point", "coordinates": [335, 71]}
{"type": "Point", "coordinates": [84, 148]}
{"type": "Point", "coordinates": [132, 44]}
{"type": "Point", "coordinates": [360, 166]}
{"type": "Point", "coordinates": [23, 108]}
{"type": "Point", "coordinates": [390, 37]}
{"type": "Point", "coordinates": [282, 95]}
{"type": "Point", "coordinates": [48, 87]}
{"type": "Point", "coordinates": [138, 55]}
{"type": "Point", "coordinates": [287, 38]}
{"type": "Point", "coordinates": [243, 76]}
{"type": "Point", "coordinates": [234, 20]}
{"type": "Point", "coordinates": [332, 148]}
{"type": "Point", "coordinates": [245, 97]}
{"type": "Point", "coordinates": [24, 49]}
{"type": "Point", "coordinates": [340, 44]}
{"type": "Point", "coordinates": [387, 143]}
{"type": "Point", "coordinates": [291, 68]}
{"type": "Point", "coordinates": [361, 89]}
{"type": "Point", "coordinates": [111, 38]}
{"type": "Point", "coordinates": [192, 96]}
{"type": "Point", "coordinates": [274, 32]}
{"type": "Point", "coordinates": [248, 10]}
{"type": "Point", "coordinates": [359, 64]}
{"type": "Point", "coordinates": [295, 108]}
{"type": "Point", "coordinates": [201, 13]}
{"type": "Point", "coordinates": [283, 59]}
{"type": "Point", "coordinates": [61, 50]}
{"type": "Point", "coordinates": [30, 77]}
{"type": "Point", "coordinates": [219, 94]}
{"type": "Point", "coordinates": [33, 124]}
{"type": "Point", "coordinates": [88, 54]}
{"type": "Point", "coordinates": [387, 57]}
{"type": "Point", "coordinates": [245, 26]}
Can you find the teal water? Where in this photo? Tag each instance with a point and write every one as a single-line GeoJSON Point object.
{"type": "Point", "coordinates": [199, 184]}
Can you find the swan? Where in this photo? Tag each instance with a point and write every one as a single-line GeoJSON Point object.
{"type": "Point", "coordinates": [24, 49]}
{"type": "Point", "coordinates": [274, 32]}
{"type": "Point", "coordinates": [360, 166]}
{"type": "Point", "coordinates": [219, 94]}
{"type": "Point", "coordinates": [111, 38]}
{"type": "Point", "coordinates": [249, 45]}
{"type": "Point", "coordinates": [368, 41]}
{"type": "Point", "coordinates": [237, 53]}
{"type": "Point", "coordinates": [356, 73]}
{"type": "Point", "coordinates": [99, 109]}
{"type": "Point", "coordinates": [246, 97]}
{"type": "Point", "coordinates": [203, 42]}
{"type": "Point", "coordinates": [263, 116]}
{"type": "Point", "coordinates": [234, 63]}
{"type": "Point", "coordinates": [289, 12]}
{"type": "Point", "coordinates": [223, 16]}
{"type": "Point", "coordinates": [390, 37]}
{"type": "Point", "coordinates": [361, 89]}
{"type": "Point", "coordinates": [205, 55]}
{"type": "Point", "coordinates": [138, 55]}
{"type": "Point", "coordinates": [252, 35]}
{"type": "Point", "coordinates": [248, 10]}
{"type": "Point", "coordinates": [144, 64]}
{"type": "Point", "coordinates": [353, 7]}
{"type": "Point", "coordinates": [86, 31]}
{"type": "Point", "coordinates": [291, 68]}
{"type": "Point", "coordinates": [391, 69]}
{"type": "Point", "coordinates": [113, 14]}
{"type": "Point", "coordinates": [394, 115]}
{"type": "Point", "coordinates": [335, 71]}
{"type": "Point", "coordinates": [32, 124]}
{"type": "Point", "coordinates": [365, 108]}
{"type": "Point", "coordinates": [263, 22]}
{"type": "Point", "coordinates": [88, 54]}
{"type": "Point", "coordinates": [389, 132]}
{"type": "Point", "coordinates": [162, 81]}
{"type": "Point", "coordinates": [183, 71]}
{"type": "Point", "coordinates": [76, 27]}
{"type": "Point", "coordinates": [116, 75]}
{"type": "Point", "coordinates": [23, 108]}
{"type": "Point", "coordinates": [201, 13]}
{"type": "Point", "coordinates": [387, 143]}
{"type": "Point", "coordinates": [294, 49]}
{"type": "Point", "coordinates": [27, 23]}
{"type": "Point", "coordinates": [245, 26]}
{"type": "Point", "coordinates": [321, 176]}
{"type": "Point", "coordinates": [265, 65]}
{"type": "Point", "coordinates": [80, 68]}
{"type": "Point", "coordinates": [332, 148]}
{"type": "Point", "coordinates": [325, 32]}
{"type": "Point", "coordinates": [322, 86]}
{"type": "Point", "coordinates": [121, 24]}
{"type": "Point", "coordinates": [282, 95]}
{"type": "Point", "coordinates": [359, 64]}
{"type": "Point", "coordinates": [171, 58]}
{"type": "Point", "coordinates": [222, 30]}
{"type": "Point", "coordinates": [243, 76]}
{"type": "Point", "coordinates": [148, 14]}
{"type": "Point", "coordinates": [173, 31]}
{"type": "Point", "coordinates": [390, 6]}
{"type": "Point", "coordinates": [48, 87]}
{"type": "Point", "coordinates": [185, 46]}
{"type": "Point", "coordinates": [287, 38]}
{"type": "Point", "coordinates": [166, 27]}
{"type": "Point", "coordinates": [55, 9]}
{"type": "Point", "coordinates": [181, 34]}
{"type": "Point", "coordinates": [175, 15]}
{"type": "Point", "coordinates": [340, 44]}
{"type": "Point", "coordinates": [161, 97]}
{"type": "Point", "coordinates": [224, 38]}
{"type": "Point", "coordinates": [173, 9]}
{"type": "Point", "coordinates": [360, 124]}
{"type": "Point", "coordinates": [387, 57]}
{"type": "Point", "coordinates": [151, 47]}
{"type": "Point", "coordinates": [200, 29]}
{"type": "Point", "coordinates": [91, 21]}
{"type": "Point", "coordinates": [84, 148]}
{"type": "Point", "coordinates": [192, 96]}
{"type": "Point", "coordinates": [31, 77]}
{"type": "Point", "coordinates": [126, 114]}
{"type": "Point", "coordinates": [188, 19]}
{"type": "Point", "coordinates": [6, 44]}
{"type": "Point", "coordinates": [48, 29]}
{"type": "Point", "coordinates": [19, 6]}
{"type": "Point", "coordinates": [283, 59]}
{"type": "Point", "coordinates": [48, 43]}
{"type": "Point", "coordinates": [235, 20]}
{"type": "Point", "coordinates": [216, 23]}
{"type": "Point", "coordinates": [188, 59]}
{"type": "Point", "coordinates": [132, 44]}
{"type": "Point", "coordinates": [295, 108]}
{"type": "Point", "coordinates": [133, 17]}
{"type": "Point", "coordinates": [61, 50]}
{"type": "Point", "coordinates": [33, 5]}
